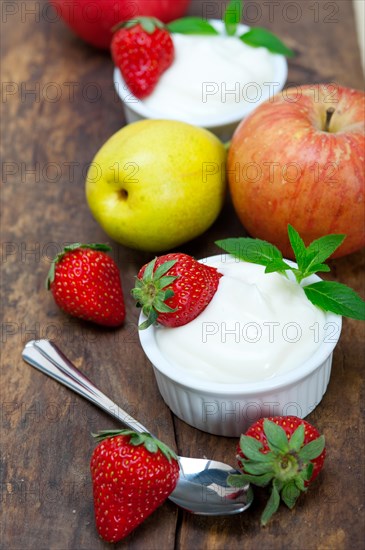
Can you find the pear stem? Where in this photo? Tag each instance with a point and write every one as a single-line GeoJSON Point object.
{"type": "Point", "coordinates": [329, 114]}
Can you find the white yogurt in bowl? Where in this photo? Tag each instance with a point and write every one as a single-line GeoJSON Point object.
{"type": "Point", "coordinates": [257, 325]}
{"type": "Point", "coordinates": [260, 348]}
{"type": "Point", "coordinates": [210, 76]}
{"type": "Point", "coordinates": [214, 82]}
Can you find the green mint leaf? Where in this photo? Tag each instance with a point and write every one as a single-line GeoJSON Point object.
{"type": "Point", "coordinates": [232, 16]}
{"type": "Point", "coordinates": [297, 439]}
{"type": "Point", "coordinates": [336, 297]}
{"type": "Point", "coordinates": [290, 493]}
{"type": "Point", "coordinates": [312, 450]}
{"type": "Point", "coordinates": [191, 25]}
{"type": "Point", "coordinates": [298, 247]}
{"type": "Point", "coordinates": [277, 265]}
{"type": "Point", "coordinates": [317, 252]}
{"type": "Point", "coordinates": [315, 268]}
{"type": "Point", "coordinates": [271, 506]}
{"type": "Point", "coordinates": [258, 36]}
{"type": "Point", "coordinates": [250, 250]}
{"type": "Point", "coordinates": [321, 249]}
{"type": "Point", "coordinates": [276, 437]}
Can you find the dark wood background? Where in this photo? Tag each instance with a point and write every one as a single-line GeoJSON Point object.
{"type": "Point", "coordinates": [59, 107]}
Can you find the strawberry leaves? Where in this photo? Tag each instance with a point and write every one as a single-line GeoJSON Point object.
{"type": "Point", "coordinates": [148, 24]}
{"type": "Point", "coordinates": [151, 293]}
{"type": "Point", "coordinates": [285, 463]}
{"type": "Point", "coordinates": [151, 443]}
{"type": "Point", "coordinates": [327, 295]}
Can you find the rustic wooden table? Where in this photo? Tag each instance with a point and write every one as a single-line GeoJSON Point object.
{"type": "Point", "coordinates": [59, 106]}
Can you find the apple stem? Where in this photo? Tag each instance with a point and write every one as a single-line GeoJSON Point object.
{"type": "Point", "coordinates": [329, 114]}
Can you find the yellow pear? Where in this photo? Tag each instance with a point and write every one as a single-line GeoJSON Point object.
{"type": "Point", "coordinates": [156, 184]}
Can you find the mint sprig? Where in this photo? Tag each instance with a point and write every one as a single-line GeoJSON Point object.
{"type": "Point", "coordinates": [255, 36]}
{"type": "Point", "coordinates": [260, 37]}
{"type": "Point", "coordinates": [327, 295]}
{"type": "Point", "coordinates": [191, 25]}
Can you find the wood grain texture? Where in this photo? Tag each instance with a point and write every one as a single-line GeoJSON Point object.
{"type": "Point", "coordinates": [58, 107]}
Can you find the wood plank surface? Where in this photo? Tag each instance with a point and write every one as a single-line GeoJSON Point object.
{"type": "Point", "coordinates": [58, 107]}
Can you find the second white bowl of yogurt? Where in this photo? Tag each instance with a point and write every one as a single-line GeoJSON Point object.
{"type": "Point", "coordinates": [215, 81]}
{"type": "Point", "coordinates": [260, 348]}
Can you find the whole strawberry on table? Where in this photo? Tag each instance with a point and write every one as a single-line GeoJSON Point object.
{"type": "Point", "coordinates": [85, 282]}
{"type": "Point", "coordinates": [285, 452]}
{"type": "Point", "coordinates": [132, 474]}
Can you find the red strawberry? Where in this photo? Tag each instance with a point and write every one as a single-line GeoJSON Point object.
{"type": "Point", "coordinates": [174, 289]}
{"type": "Point", "coordinates": [142, 49]}
{"type": "Point", "coordinates": [85, 282]}
{"type": "Point", "coordinates": [132, 475]}
{"type": "Point", "coordinates": [285, 451]}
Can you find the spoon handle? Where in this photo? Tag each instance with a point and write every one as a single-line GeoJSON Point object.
{"type": "Point", "coordinates": [45, 356]}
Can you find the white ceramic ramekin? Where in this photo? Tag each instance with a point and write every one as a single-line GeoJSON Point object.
{"type": "Point", "coordinates": [229, 409]}
{"type": "Point", "coordinates": [222, 126]}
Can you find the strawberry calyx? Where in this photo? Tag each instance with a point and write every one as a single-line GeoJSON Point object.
{"type": "Point", "coordinates": [148, 24]}
{"type": "Point", "coordinates": [147, 440]}
{"type": "Point", "coordinates": [287, 465]}
{"type": "Point", "coordinates": [70, 248]}
{"type": "Point", "coordinates": [152, 291]}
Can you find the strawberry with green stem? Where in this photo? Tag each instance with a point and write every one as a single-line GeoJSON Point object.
{"type": "Point", "coordinates": [285, 452]}
{"type": "Point", "coordinates": [174, 289]}
{"type": "Point", "coordinates": [132, 475]}
{"type": "Point", "coordinates": [143, 50]}
{"type": "Point", "coordinates": [85, 282]}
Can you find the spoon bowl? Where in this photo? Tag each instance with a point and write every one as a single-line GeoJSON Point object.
{"type": "Point", "coordinates": [202, 486]}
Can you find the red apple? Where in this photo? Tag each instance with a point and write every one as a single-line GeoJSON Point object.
{"type": "Point", "coordinates": [299, 159]}
{"type": "Point", "coordinates": [93, 20]}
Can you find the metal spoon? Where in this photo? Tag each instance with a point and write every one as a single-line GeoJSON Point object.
{"type": "Point", "coordinates": [202, 487]}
